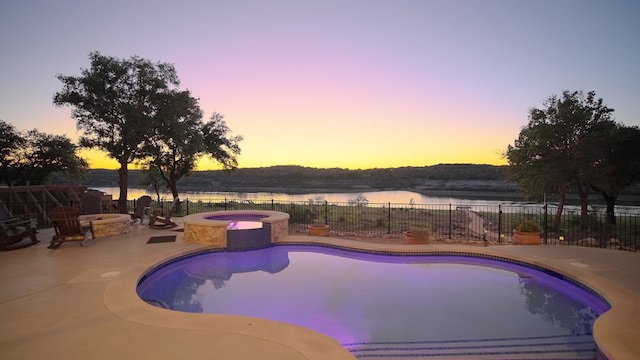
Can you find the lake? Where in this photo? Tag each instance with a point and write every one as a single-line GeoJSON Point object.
{"type": "Point", "coordinates": [374, 197]}
{"type": "Point", "coordinates": [396, 196]}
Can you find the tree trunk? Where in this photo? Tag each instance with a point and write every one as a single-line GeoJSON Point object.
{"type": "Point", "coordinates": [611, 205]}
{"type": "Point", "coordinates": [156, 187]}
{"type": "Point", "coordinates": [583, 191]}
{"type": "Point", "coordinates": [123, 182]}
{"type": "Point", "coordinates": [558, 217]}
{"type": "Point", "coordinates": [174, 191]}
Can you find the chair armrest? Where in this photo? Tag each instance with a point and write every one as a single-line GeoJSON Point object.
{"type": "Point", "coordinates": [12, 225]}
{"type": "Point", "coordinates": [18, 223]}
{"type": "Point", "coordinates": [12, 220]}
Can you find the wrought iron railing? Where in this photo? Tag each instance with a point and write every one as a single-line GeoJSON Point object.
{"type": "Point", "coordinates": [488, 223]}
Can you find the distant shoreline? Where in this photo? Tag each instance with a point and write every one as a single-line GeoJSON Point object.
{"type": "Point", "coordinates": [506, 194]}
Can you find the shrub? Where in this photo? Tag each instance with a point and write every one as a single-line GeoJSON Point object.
{"type": "Point", "coordinates": [528, 226]}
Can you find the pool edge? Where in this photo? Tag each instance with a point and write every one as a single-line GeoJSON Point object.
{"type": "Point", "coordinates": [120, 297]}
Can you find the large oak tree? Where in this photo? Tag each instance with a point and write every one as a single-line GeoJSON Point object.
{"type": "Point", "coordinates": [116, 102]}
{"type": "Point", "coordinates": [175, 147]}
{"type": "Point", "coordinates": [615, 161]}
{"type": "Point", "coordinates": [553, 152]}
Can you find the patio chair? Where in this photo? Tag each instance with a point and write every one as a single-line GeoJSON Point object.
{"type": "Point", "coordinates": [91, 202]}
{"type": "Point", "coordinates": [159, 222]}
{"type": "Point", "coordinates": [13, 231]}
{"type": "Point", "coordinates": [67, 225]}
{"type": "Point", "coordinates": [142, 206]}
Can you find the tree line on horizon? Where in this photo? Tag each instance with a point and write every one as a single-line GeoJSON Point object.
{"type": "Point", "coordinates": [293, 174]}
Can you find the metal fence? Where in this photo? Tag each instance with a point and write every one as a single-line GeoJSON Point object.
{"type": "Point", "coordinates": [446, 222]}
{"type": "Point", "coordinates": [390, 220]}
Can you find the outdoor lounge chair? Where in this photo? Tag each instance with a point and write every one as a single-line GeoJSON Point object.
{"type": "Point", "coordinates": [13, 231]}
{"type": "Point", "coordinates": [66, 222]}
{"type": "Point", "coordinates": [91, 204]}
{"type": "Point", "coordinates": [142, 206]}
{"type": "Point", "coordinates": [159, 222]}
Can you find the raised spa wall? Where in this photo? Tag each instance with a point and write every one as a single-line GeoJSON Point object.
{"type": "Point", "coordinates": [201, 229]}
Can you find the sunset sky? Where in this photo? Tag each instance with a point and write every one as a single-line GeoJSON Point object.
{"type": "Point", "coordinates": [337, 83]}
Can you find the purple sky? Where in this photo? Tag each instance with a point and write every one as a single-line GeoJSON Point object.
{"type": "Point", "coordinates": [355, 84]}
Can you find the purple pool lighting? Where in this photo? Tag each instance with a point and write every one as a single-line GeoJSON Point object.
{"type": "Point", "coordinates": [240, 221]}
{"type": "Point", "coordinates": [244, 230]}
{"type": "Point", "coordinates": [236, 229]}
{"type": "Point", "coordinates": [390, 306]}
{"type": "Point", "coordinates": [237, 217]}
{"type": "Point", "coordinates": [244, 225]}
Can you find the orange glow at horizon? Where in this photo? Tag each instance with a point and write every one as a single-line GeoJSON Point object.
{"type": "Point", "coordinates": [100, 160]}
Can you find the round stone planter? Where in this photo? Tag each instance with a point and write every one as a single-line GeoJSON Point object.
{"type": "Point", "coordinates": [526, 238]}
{"type": "Point", "coordinates": [318, 230]}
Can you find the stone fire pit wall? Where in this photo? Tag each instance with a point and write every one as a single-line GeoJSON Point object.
{"type": "Point", "coordinates": [199, 229]}
{"type": "Point", "coordinates": [105, 225]}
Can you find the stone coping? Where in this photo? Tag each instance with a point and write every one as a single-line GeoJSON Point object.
{"type": "Point", "coordinates": [100, 219]}
{"type": "Point", "coordinates": [121, 298]}
{"type": "Point", "coordinates": [616, 331]}
{"type": "Point", "coordinates": [201, 218]}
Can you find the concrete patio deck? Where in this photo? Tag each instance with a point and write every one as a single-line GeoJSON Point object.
{"type": "Point", "coordinates": [80, 303]}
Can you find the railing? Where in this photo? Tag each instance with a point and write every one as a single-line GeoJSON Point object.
{"type": "Point", "coordinates": [446, 222]}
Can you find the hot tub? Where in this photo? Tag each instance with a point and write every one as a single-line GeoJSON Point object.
{"type": "Point", "coordinates": [236, 230]}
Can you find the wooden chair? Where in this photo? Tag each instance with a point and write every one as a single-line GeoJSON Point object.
{"type": "Point", "coordinates": [91, 204]}
{"type": "Point", "coordinates": [66, 222]}
{"type": "Point", "coordinates": [142, 206]}
{"type": "Point", "coordinates": [159, 222]}
{"type": "Point", "coordinates": [13, 231]}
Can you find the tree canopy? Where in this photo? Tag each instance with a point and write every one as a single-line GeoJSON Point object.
{"type": "Point", "coordinates": [133, 110]}
{"type": "Point", "coordinates": [567, 145]}
{"type": "Point", "coordinates": [616, 162]}
{"type": "Point", "coordinates": [116, 102]}
{"type": "Point", "coordinates": [175, 147]}
{"type": "Point", "coordinates": [30, 157]}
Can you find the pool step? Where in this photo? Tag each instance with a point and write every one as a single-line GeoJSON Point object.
{"type": "Point", "coordinates": [579, 347]}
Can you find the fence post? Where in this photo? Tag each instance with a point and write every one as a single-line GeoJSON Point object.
{"type": "Point", "coordinates": [225, 204]}
{"type": "Point", "coordinates": [389, 218]}
{"type": "Point", "coordinates": [499, 223]}
{"type": "Point", "coordinates": [326, 212]}
{"type": "Point", "coordinates": [450, 223]}
{"type": "Point", "coordinates": [546, 231]}
{"type": "Point", "coordinates": [272, 205]}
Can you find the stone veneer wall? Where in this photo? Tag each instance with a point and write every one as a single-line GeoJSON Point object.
{"type": "Point", "coordinates": [279, 230]}
{"type": "Point", "coordinates": [199, 230]}
{"type": "Point", "coordinates": [109, 224]}
{"type": "Point", "coordinates": [207, 235]}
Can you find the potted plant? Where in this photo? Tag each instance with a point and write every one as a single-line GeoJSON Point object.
{"type": "Point", "coordinates": [318, 230]}
{"type": "Point", "coordinates": [526, 233]}
{"type": "Point", "coordinates": [418, 235]}
{"type": "Point", "coordinates": [317, 227]}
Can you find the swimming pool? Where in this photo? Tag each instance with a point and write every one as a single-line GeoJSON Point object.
{"type": "Point", "coordinates": [386, 305]}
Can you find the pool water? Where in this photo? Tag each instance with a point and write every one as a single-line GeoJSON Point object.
{"type": "Point", "coordinates": [244, 225]}
{"type": "Point", "coordinates": [388, 306]}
